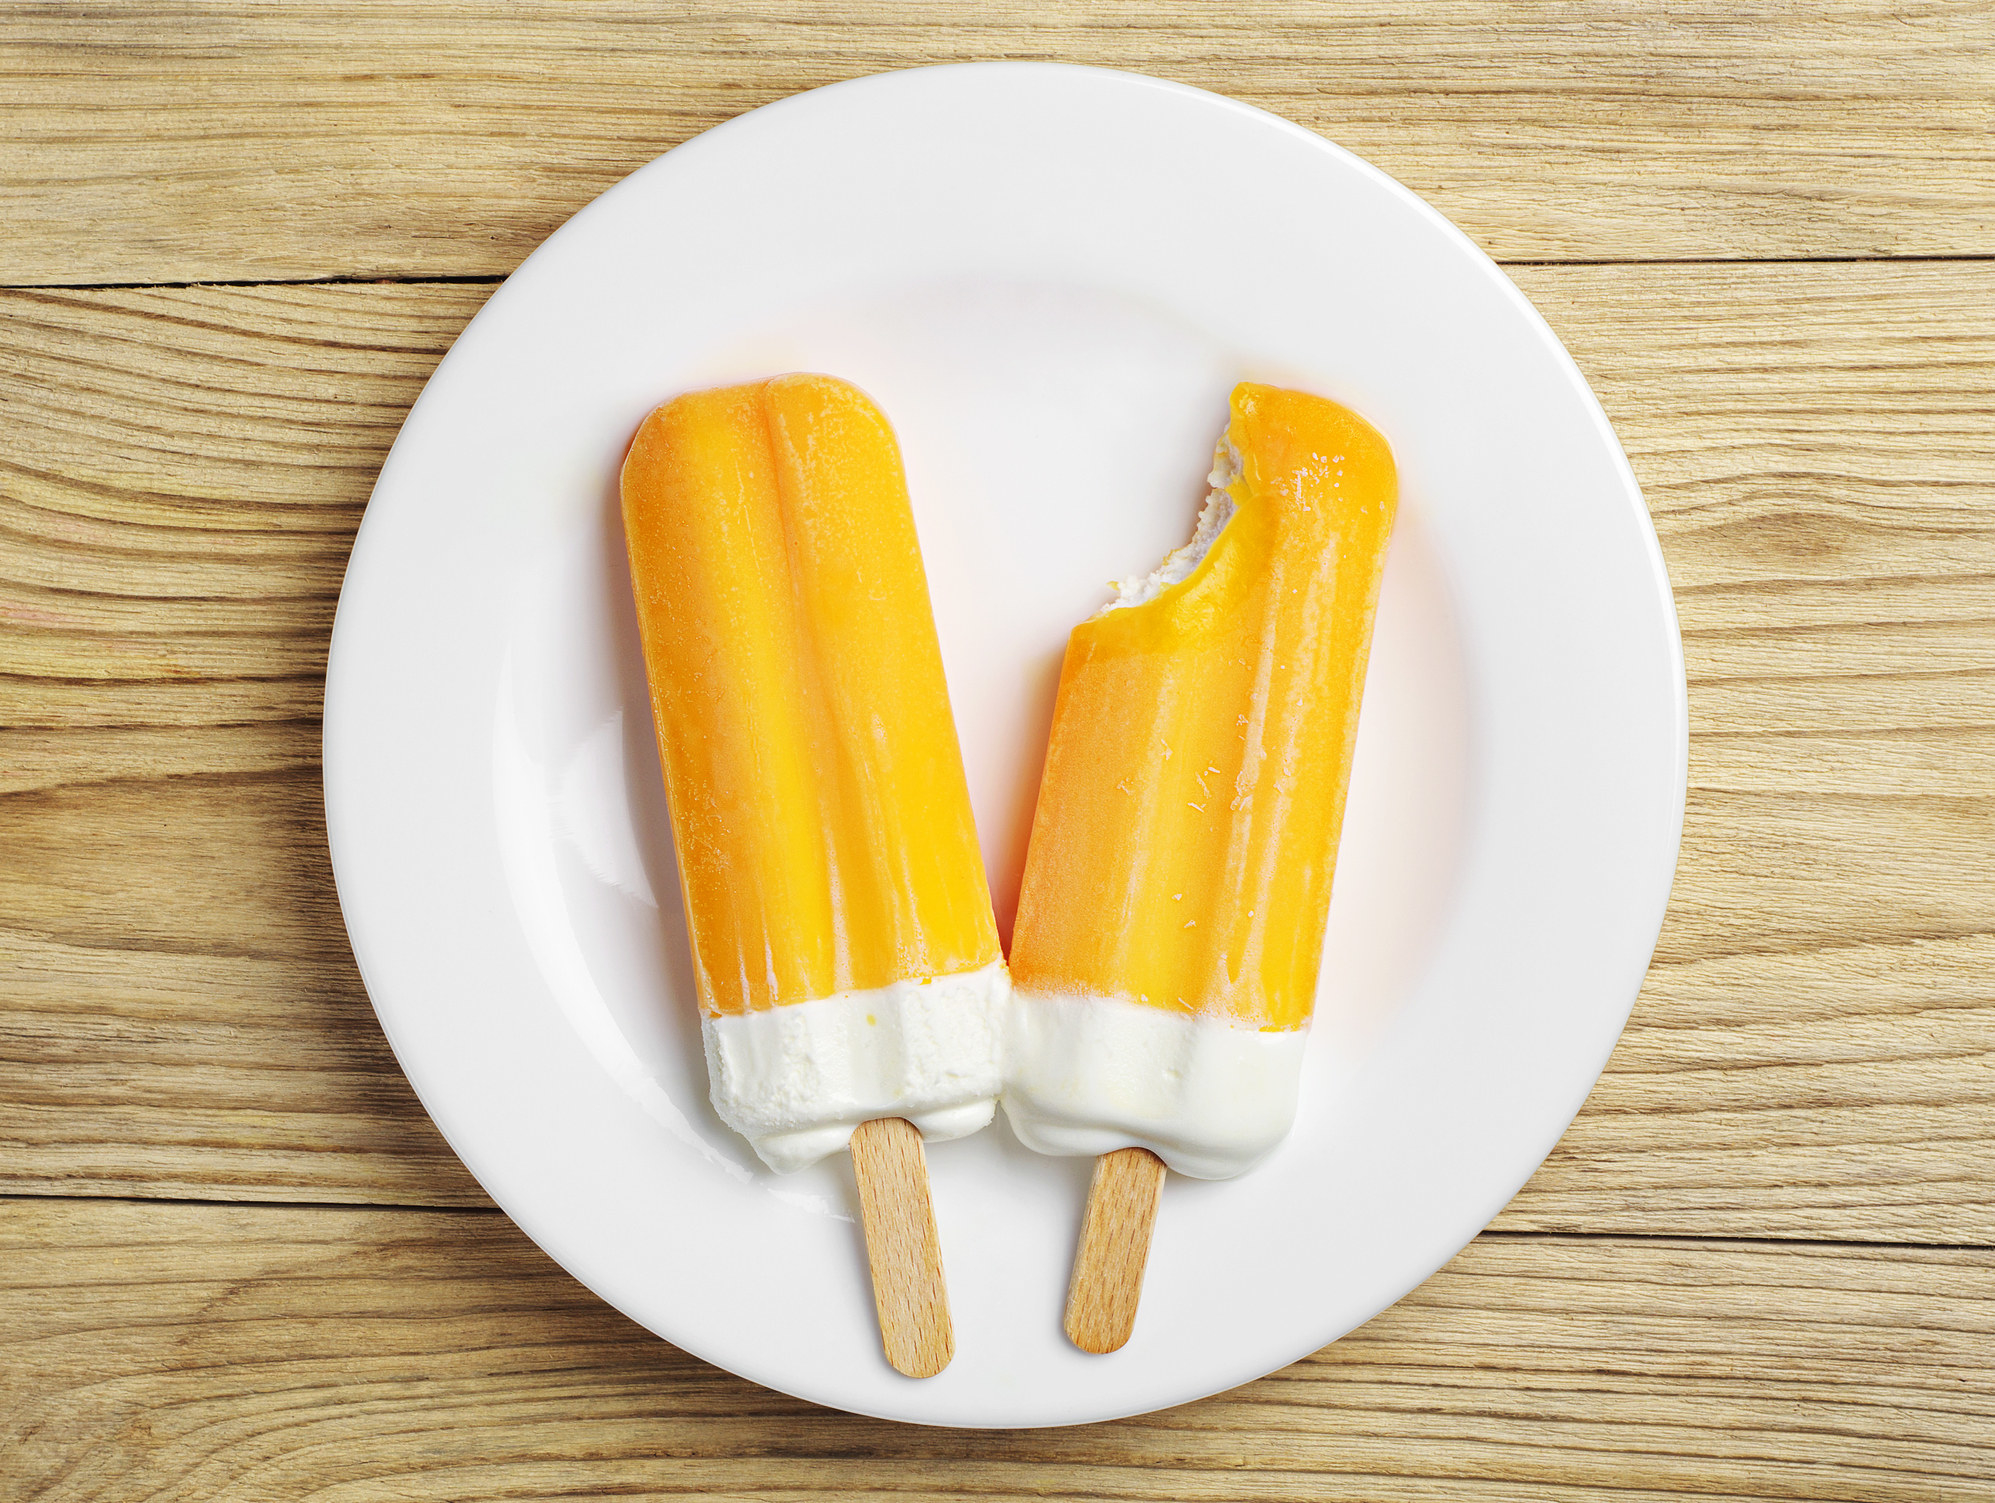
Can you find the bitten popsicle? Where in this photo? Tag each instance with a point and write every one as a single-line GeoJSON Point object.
{"type": "Point", "coordinates": [1177, 883]}
{"type": "Point", "coordinates": [850, 980]}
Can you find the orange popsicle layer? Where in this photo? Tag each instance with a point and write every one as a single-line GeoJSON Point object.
{"type": "Point", "coordinates": [825, 838]}
{"type": "Point", "coordinates": [1194, 789]}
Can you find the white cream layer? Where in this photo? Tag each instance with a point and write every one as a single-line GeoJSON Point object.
{"type": "Point", "coordinates": [796, 1080]}
{"type": "Point", "coordinates": [1086, 1075]}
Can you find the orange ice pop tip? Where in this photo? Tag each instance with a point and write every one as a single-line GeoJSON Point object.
{"type": "Point", "coordinates": [843, 945]}
{"type": "Point", "coordinates": [1177, 882]}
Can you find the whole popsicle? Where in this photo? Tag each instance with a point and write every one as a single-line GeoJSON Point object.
{"type": "Point", "coordinates": [849, 975]}
{"type": "Point", "coordinates": [1177, 884]}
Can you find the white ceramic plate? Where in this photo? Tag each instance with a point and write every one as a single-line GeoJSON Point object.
{"type": "Point", "coordinates": [1049, 278]}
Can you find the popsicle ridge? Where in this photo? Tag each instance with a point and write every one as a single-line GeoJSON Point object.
{"type": "Point", "coordinates": [1177, 884]}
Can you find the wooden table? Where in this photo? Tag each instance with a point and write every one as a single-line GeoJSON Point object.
{"type": "Point", "coordinates": [239, 1260]}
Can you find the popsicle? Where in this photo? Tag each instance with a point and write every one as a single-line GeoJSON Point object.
{"type": "Point", "coordinates": [1177, 883]}
{"type": "Point", "coordinates": [844, 950]}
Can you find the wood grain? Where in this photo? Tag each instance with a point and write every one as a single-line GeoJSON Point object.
{"type": "Point", "coordinates": [181, 472]}
{"type": "Point", "coordinates": [253, 1353]}
{"type": "Point", "coordinates": [1813, 1054]}
{"type": "Point", "coordinates": [209, 140]}
{"type": "Point", "coordinates": [903, 1249]}
{"type": "Point", "coordinates": [179, 484]}
{"type": "Point", "coordinates": [1107, 1287]}
{"type": "Point", "coordinates": [1814, 1051]}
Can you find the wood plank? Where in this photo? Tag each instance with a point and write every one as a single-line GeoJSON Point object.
{"type": "Point", "coordinates": [1811, 1056]}
{"type": "Point", "coordinates": [198, 139]}
{"type": "Point", "coordinates": [180, 481]}
{"type": "Point", "coordinates": [265, 1352]}
{"type": "Point", "coordinates": [1814, 1051]}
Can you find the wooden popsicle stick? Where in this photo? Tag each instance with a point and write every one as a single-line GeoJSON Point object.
{"type": "Point", "coordinates": [902, 1246]}
{"type": "Point", "coordinates": [1115, 1245]}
